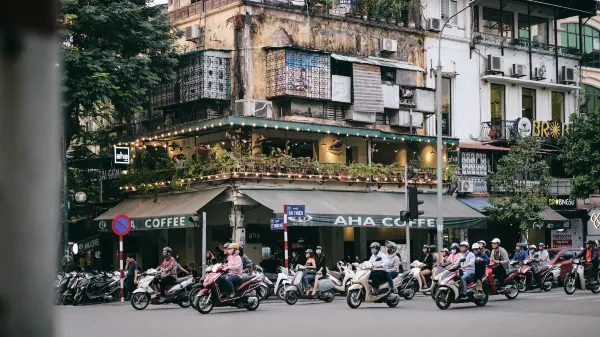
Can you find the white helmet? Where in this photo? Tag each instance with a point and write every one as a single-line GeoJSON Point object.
{"type": "Point", "coordinates": [464, 243]}
{"type": "Point", "coordinates": [475, 246]}
{"type": "Point", "coordinates": [496, 240]}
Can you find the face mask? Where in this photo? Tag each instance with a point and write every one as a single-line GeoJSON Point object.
{"type": "Point", "coordinates": [318, 251]}
{"type": "Point", "coordinates": [165, 254]}
{"type": "Point", "coordinates": [390, 251]}
{"type": "Point", "coordinates": [453, 251]}
{"type": "Point", "coordinates": [374, 251]}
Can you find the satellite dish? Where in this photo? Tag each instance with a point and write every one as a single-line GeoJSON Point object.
{"type": "Point", "coordinates": [75, 248]}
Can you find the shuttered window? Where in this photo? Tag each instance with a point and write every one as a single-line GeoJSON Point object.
{"type": "Point", "coordinates": [449, 8]}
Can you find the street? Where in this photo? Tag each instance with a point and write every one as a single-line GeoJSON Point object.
{"type": "Point", "coordinates": [531, 314]}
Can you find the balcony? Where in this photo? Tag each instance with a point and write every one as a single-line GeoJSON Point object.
{"type": "Point", "coordinates": [182, 14]}
{"type": "Point", "coordinates": [498, 130]}
{"type": "Point", "coordinates": [561, 186]}
{"type": "Point", "coordinates": [524, 45]}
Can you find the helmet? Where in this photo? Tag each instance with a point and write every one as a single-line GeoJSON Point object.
{"type": "Point", "coordinates": [309, 251]}
{"type": "Point", "coordinates": [234, 246]}
{"type": "Point", "coordinates": [532, 247]}
{"type": "Point", "coordinates": [524, 245]}
{"type": "Point", "coordinates": [541, 244]}
{"type": "Point", "coordinates": [319, 247]}
{"type": "Point", "coordinates": [390, 244]}
{"type": "Point", "coordinates": [590, 242]}
{"type": "Point", "coordinates": [226, 245]}
{"type": "Point", "coordinates": [168, 250]}
{"type": "Point", "coordinates": [454, 245]}
{"type": "Point", "coordinates": [496, 240]}
{"type": "Point", "coordinates": [432, 248]}
{"type": "Point", "coordinates": [375, 245]}
{"type": "Point", "coordinates": [482, 242]}
{"type": "Point", "coordinates": [445, 250]}
{"type": "Point", "coordinates": [464, 243]}
{"type": "Point", "coordinates": [475, 245]}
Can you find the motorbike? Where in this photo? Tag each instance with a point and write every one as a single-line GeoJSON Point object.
{"type": "Point", "coordinates": [71, 288]}
{"type": "Point", "coordinates": [448, 291]}
{"type": "Point", "coordinates": [195, 288]}
{"type": "Point", "coordinates": [510, 288]}
{"type": "Point", "coordinates": [412, 283]}
{"type": "Point", "coordinates": [283, 280]}
{"type": "Point", "coordinates": [545, 273]}
{"type": "Point", "coordinates": [60, 286]}
{"type": "Point", "coordinates": [440, 272]}
{"type": "Point", "coordinates": [266, 288]}
{"type": "Point", "coordinates": [342, 279]}
{"type": "Point", "coordinates": [294, 291]}
{"type": "Point", "coordinates": [102, 287]}
{"type": "Point", "coordinates": [177, 293]}
{"type": "Point", "coordinates": [210, 296]}
{"type": "Point", "coordinates": [362, 289]}
{"type": "Point", "coordinates": [576, 280]}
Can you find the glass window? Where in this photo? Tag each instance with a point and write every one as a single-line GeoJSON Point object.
{"type": "Point", "coordinates": [558, 106]}
{"type": "Point", "coordinates": [449, 8]}
{"type": "Point", "coordinates": [492, 19]}
{"type": "Point", "coordinates": [497, 102]}
{"type": "Point", "coordinates": [538, 29]}
{"type": "Point", "coordinates": [476, 18]}
{"type": "Point", "coordinates": [590, 98]}
{"type": "Point", "coordinates": [570, 37]}
{"type": "Point", "coordinates": [528, 103]}
{"type": "Point", "coordinates": [446, 106]}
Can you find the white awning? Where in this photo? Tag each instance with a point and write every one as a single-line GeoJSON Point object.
{"type": "Point", "coordinates": [378, 61]}
{"type": "Point", "coordinates": [529, 83]}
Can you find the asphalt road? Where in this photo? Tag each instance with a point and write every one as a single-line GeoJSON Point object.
{"type": "Point", "coordinates": [531, 314]}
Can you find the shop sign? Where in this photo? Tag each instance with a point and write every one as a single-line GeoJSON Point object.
{"type": "Point", "coordinates": [561, 203]}
{"type": "Point", "coordinates": [167, 222]}
{"type": "Point", "coordinates": [550, 225]}
{"type": "Point", "coordinates": [561, 240]}
{"type": "Point", "coordinates": [358, 221]}
{"type": "Point", "coordinates": [593, 225]}
{"type": "Point", "coordinates": [89, 243]}
{"type": "Point", "coordinates": [122, 155]}
{"type": "Point", "coordinates": [548, 129]}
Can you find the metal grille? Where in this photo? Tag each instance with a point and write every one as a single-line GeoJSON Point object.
{"type": "Point", "coordinates": [334, 112]}
{"type": "Point", "coordinates": [298, 73]}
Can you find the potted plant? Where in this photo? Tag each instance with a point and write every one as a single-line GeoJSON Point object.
{"type": "Point", "coordinates": [371, 8]}
{"type": "Point", "coordinates": [395, 11]}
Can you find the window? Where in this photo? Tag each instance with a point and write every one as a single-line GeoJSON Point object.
{"type": "Point", "coordinates": [558, 106]}
{"type": "Point", "coordinates": [497, 102]}
{"type": "Point", "coordinates": [538, 30]}
{"type": "Point", "coordinates": [449, 8]}
{"type": "Point", "coordinates": [492, 19]}
{"type": "Point", "coordinates": [476, 18]}
{"type": "Point", "coordinates": [446, 106]}
{"type": "Point", "coordinates": [528, 103]}
{"type": "Point", "coordinates": [381, 118]}
{"type": "Point", "coordinates": [590, 98]}
{"type": "Point", "coordinates": [591, 42]}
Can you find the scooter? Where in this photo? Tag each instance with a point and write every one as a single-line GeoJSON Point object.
{"type": "Point", "coordinates": [175, 293]}
{"type": "Point", "coordinates": [511, 285]}
{"type": "Point", "coordinates": [342, 279]}
{"type": "Point", "coordinates": [325, 290]}
{"type": "Point", "coordinates": [412, 283]}
{"type": "Point", "coordinates": [439, 273]}
{"type": "Point", "coordinates": [576, 280]}
{"type": "Point", "coordinates": [283, 280]}
{"type": "Point", "coordinates": [195, 288]}
{"type": "Point", "coordinates": [266, 286]}
{"type": "Point", "coordinates": [103, 287]}
{"type": "Point", "coordinates": [362, 289]}
{"type": "Point", "coordinates": [448, 291]}
{"type": "Point", "coordinates": [544, 273]}
{"type": "Point", "coordinates": [211, 296]}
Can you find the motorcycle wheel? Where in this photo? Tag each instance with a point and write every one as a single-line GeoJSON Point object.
{"type": "Point", "coordinates": [547, 286]}
{"type": "Point", "coordinates": [569, 285]}
{"type": "Point", "coordinates": [515, 290]}
{"type": "Point", "coordinates": [354, 299]}
{"type": "Point", "coordinates": [185, 301]}
{"type": "Point", "coordinates": [192, 297]}
{"type": "Point", "coordinates": [433, 291]}
{"type": "Point", "coordinates": [522, 285]}
{"type": "Point", "coordinates": [262, 293]}
{"type": "Point", "coordinates": [329, 298]}
{"type": "Point", "coordinates": [204, 304]}
{"type": "Point", "coordinates": [483, 301]}
{"type": "Point", "coordinates": [595, 288]}
{"type": "Point", "coordinates": [281, 292]}
{"type": "Point", "coordinates": [140, 301]}
{"type": "Point", "coordinates": [394, 303]}
{"type": "Point", "coordinates": [411, 292]}
{"type": "Point", "coordinates": [443, 299]}
{"type": "Point", "coordinates": [253, 306]}
{"type": "Point", "coordinates": [291, 297]}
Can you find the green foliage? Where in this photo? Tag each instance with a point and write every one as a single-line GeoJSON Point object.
{"type": "Point", "coordinates": [581, 158]}
{"type": "Point", "coordinates": [524, 177]}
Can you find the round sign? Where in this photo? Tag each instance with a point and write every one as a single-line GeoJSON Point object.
{"type": "Point", "coordinates": [524, 126]}
{"type": "Point", "coordinates": [121, 224]}
{"type": "Point", "coordinates": [75, 248]}
{"type": "Point", "coordinates": [80, 197]}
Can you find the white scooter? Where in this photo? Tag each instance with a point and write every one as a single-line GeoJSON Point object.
{"type": "Point", "coordinates": [411, 282]}
{"type": "Point", "coordinates": [362, 289]}
{"type": "Point", "coordinates": [177, 293]}
{"type": "Point", "coordinates": [342, 280]}
{"type": "Point", "coordinates": [283, 280]}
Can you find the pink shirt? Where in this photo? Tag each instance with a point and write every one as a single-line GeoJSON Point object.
{"type": "Point", "coordinates": [234, 265]}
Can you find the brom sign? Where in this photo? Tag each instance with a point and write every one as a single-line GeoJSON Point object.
{"type": "Point", "coordinates": [122, 155]}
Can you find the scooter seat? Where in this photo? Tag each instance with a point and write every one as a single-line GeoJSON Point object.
{"type": "Point", "coordinates": [101, 284]}
{"type": "Point", "coordinates": [335, 274]}
{"type": "Point", "coordinates": [246, 277]}
{"type": "Point", "coordinates": [181, 279]}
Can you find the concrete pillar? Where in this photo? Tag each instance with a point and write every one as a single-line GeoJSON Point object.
{"type": "Point", "coordinates": [236, 221]}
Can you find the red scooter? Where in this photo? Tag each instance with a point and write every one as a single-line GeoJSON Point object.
{"type": "Point", "coordinates": [510, 289]}
{"type": "Point", "coordinates": [544, 273]}
{"type": "Point", "coordinates": [211, 296]}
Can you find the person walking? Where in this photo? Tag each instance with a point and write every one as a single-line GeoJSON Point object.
{"type": "Point", "coordinates": [132, 275]}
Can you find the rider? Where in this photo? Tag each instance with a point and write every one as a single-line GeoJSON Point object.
{"type": "Point", "coordinates": [499, 255]}
{"type": "Point", "coordinates": [246, 262]}
{"type": "Point", "coordinates": [167, 270]}
{"type": "Point", "coordinates": [482, 247]}
{"type": "Point", "coordinates": [234, 269]}
{"type": "Point", "coordinates": [467, 266]}
{"type": "Point", "coordinates": [544, 256]}
{"type": "Point", "coordinates": [520, 253]}
{"type": "Point", "coordinates": [436, 256]}
{"type": "Point", "coordinates": [379, 261]}
{"type": "Point", "coordinates": [591, 258]}
{"type": "Point", "coordinates": [311, 266]}
{"type": "Point", "coordinates": [426, 267]}
{"type": "Point", "coordinates": [393, 265]}
{"type": "Point", "coordinates": [532, 249]}
{"type": "Point", "coordinates": [445, 256]}
{"type": "Point", "coordinates": [454, 248]}
{"type": "Point", "coordinates": [321, 268]}
{"type": "Point", "coordinates": [481, 260]}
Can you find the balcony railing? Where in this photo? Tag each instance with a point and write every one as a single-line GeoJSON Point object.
{"type": "Point", "coordinates": [561, 186]}
{"type": "Point", "coordinates": [196, 9]}
{"type": "Point", "coordinates": [498, 130]}
{"type": "Point", "coordinates": [524, 44]}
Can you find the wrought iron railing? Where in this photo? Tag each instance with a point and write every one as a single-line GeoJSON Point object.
{"type": "Point", "coordinates": [498, 130]}
{"type": "Point", "coordinates": [524, 44]}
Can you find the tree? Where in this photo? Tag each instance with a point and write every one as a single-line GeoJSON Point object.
{"type": "Point", "coordinates": [581, 157]}
{"type": "Point", "coordinates": [115, 52]}
{"type": "Point", "coordinates": [524, 177]}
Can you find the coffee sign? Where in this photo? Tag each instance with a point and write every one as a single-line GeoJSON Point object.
{"type": "Point", "coordinates": [122, 155]}
{"type": "Point", "coordinates": [161, 223]}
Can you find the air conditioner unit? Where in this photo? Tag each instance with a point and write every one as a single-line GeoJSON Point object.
{"type": "Point", "coordinates": [568, 75]}
{"type": "Point", "coordinates": [465, 186]}
{"type": "Point", "coordinates": [540, 73]}
{"type": "Point", "coordinates": [389, 45]}
{"type": "Point", "coordinates": [434, 25]}
{"type": "Point", "coordinates": [518, 70]}
{"type": "Point", "coordinates": [192, 32]}
{"type": "Point", "coordinates": [495, 64]}
{"type": "Point", "coordinates": [254, 108]}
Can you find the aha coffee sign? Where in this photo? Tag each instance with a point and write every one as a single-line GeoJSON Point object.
{"type": "Point", "coordinates": [122, 155]}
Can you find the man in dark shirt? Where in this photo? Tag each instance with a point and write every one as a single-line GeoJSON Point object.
{"type": "Point", "coordinates": [132, 273]}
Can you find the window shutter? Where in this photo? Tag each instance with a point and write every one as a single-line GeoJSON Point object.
{"type": "Point", "coordinates": [445, 10]}
{"type": "Point", "coordinates": [453, 9]}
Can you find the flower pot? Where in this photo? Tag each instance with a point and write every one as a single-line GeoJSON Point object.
{"type": "Point", "coordinates": [382, 20]}
{"type": "Point", "coordinates": [371, 18]}
{"type": "Point", "coordinates": [400, 23]}
{"type": "Point", "coordinates": [392, 21]}
{"type": "Point", "coordinates": [411, 25]}
{"type": "Point", "coordinates": [364, 17]}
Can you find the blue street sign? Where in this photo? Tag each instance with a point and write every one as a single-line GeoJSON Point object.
{"type": "Point", "coordinates": [295, 210]}
{"type": "Point", "coordinates": [276, 224]}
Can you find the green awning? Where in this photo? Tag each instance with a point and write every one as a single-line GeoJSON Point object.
{"type": "Point", "coordinates": [370, 209]}
{"type": "Point", "coordinates": [160, 212]}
